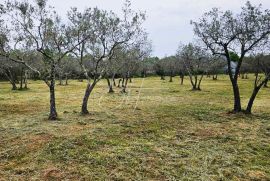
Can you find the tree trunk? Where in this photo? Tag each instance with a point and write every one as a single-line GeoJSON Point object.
{"type": "Point", "coordinates": [114, 83]}
{"type": "Point", "coordinates": [25, 80]}
{"type": "Point", "coordinates": [199, 84]}
{"type": "Point", "coordinates": [111, 89]}
{"type": "Point", "coordinates": [85, 99]}
{"type": "Point", "coordinates": [144, 74]}
{"type": "Point", "coordinates": [254, 94]}
{"type": "Point", "coordinates": [11, 79]}
{"type": "Point", "coordinates": [88, 91]}
{"type": "Point", "coordinates": [194, 84]}
{"type": "Point", "coordinates": [265, 84]}
{"type": "Point", "coordinates": [125, 86]}
{"type": "Point", "coordinates": [110, 86]}
{"type": "Point", "coordinates": [171, 79]}
{"type": "Point", "coordinates": [182, 79]}
{"type": "Point", "coordinates": [162, 77]}
{"type": "Point", "coordinates": [119, 82]}
{"type": "Point", "coordinates": [21, 81]}
{"type": "Point", "coordinates": [237, 98]}
{"type": "Point", "coordinates": [14, 87]}
{"type": "Point", "coordinates": [123, 82]}
{"type": "Point", "coordinates": [66, 80]}
{"type": "Point", "coordinates": [215, 77]}
{"type": "Point", "coordinates": [234, 78]}
{"type": "Point", "coordinates": [53, 113]}
{"type": "Point", "coordinates": [194, 87]}
{"type": "Point", "coordinates": [60, 79]}
{"type": "Point", "coordinates": [252, 98]}
{"type": "Point", "coordinates": [130, 80]}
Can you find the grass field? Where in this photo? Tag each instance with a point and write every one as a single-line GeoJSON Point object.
{"type": "Point", "coordinates": [159, 131]}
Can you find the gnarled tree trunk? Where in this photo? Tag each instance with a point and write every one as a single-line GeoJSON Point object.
{"type": "Point", "coordinates": [89, 89]}
{"type": "Point", "coordinates": [251, 100]}
{"type": "Point", "coordinates": [237, 99]}
{"type": "Point", "coordinates": [256, 90]}
{"type": "Point", "coordinates": [110, 85]}
{"type": "Point", "coordinates": [11, 78]}
{"type": "Point", "coordinates": [196, 83]}
{"type": "Point", "coordinates": [234, 81]}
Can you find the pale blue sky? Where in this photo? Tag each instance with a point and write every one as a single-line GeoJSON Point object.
{"type": "Point", "coordinates": [168, 21]}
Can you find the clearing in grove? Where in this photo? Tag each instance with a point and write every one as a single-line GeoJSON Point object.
{"type": "Point", "coordinates": [157, 131]}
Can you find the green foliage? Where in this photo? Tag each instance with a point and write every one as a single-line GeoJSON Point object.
{"type": "Point", "coordinates": [234, 57]}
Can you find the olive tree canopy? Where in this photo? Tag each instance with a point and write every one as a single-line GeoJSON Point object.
{"type": "Point", "coordinates": [226, 32]}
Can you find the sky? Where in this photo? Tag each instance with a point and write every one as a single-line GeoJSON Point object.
{"type": "Point", "coordinates": [168, 21]}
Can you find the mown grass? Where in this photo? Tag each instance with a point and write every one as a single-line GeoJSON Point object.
{"type": "Point", "coordinates": [158, 131]}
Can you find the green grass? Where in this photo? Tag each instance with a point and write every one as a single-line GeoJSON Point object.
{"type": "Point", "coordinates": [163, 131]}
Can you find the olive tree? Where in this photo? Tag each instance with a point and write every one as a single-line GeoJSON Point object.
{"type": "Point", "coordinates": [147, 66]}
{"type": "Point", "coordinates": [160, 68]}
{"type": "Point", "coordinates": [195, 61]}
{"type": "Point", "coordinates": [10, 70]}
{"type": "Point", "coordinates": [15, 70]}
{"type": "Point", "coordinates": [170, 65]}
{"type": "Point", "coordinates": [14, 61]}
{"type": "Point", "coordinates": [225, 32]}
{"type": "Point", "coordinates": [180, 68]}
{"type": "Point", "coordinates": [261, 64]}
{"type": "Point", "coordinates": [67, 68]}
{"type": "Point", "coordinates": [113, 69]}
{"type": "Point", "coordinates": [132, 57]}
{"type": "Point", "coordinates": [106, 32]}
{"type": "Point", "coordinates": [38, 27]}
